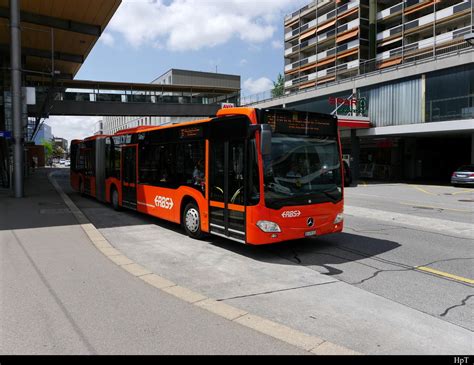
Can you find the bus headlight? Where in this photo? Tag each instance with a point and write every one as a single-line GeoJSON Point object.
{"type": "Point", "coordinates": [268, 227]}
{"type": "Point", "coordinates": [339, 218]}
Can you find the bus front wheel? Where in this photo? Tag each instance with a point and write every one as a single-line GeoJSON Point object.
{"type": "Point", "coordinates": [192, 221]}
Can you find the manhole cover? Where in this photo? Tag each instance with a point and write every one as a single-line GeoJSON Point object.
{"type": "Point", "coordinates": [466, 201]}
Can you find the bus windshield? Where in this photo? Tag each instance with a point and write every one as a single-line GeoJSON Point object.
{"type": "Point", "coordinates": [302, 170]}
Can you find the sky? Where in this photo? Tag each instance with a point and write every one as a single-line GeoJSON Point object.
{"type": "Point", "coordinates": [146, 38]}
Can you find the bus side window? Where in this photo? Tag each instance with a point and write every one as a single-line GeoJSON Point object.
{"type": "Point", "coordinates": [149, 163]}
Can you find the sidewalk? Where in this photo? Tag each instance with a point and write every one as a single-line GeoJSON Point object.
{"type": "Point", "coordinates": [60, 295]}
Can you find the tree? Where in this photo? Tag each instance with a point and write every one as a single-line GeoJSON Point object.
{"type": "Point", "coordinates": [278, 86]}
{"type": "Point", "coordinates": [48, 149]}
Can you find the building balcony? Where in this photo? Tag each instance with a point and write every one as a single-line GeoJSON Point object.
{"type": "Point", "coordinates": [326, 56]}
{"type": "Point", "coordinates": [398, 8]}
{"type": "Point", "coordinates": [320, 21]}
{"type": "Point", "coordinates": [322, 75]}
{"type": "Point", "coordinates": [415, 47]}
{"type": "Point", "coordinates": [425, 20]}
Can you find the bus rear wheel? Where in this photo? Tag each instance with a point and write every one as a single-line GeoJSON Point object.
{"type": "Point", "coordinates": [192, 221]}
{"type": "Point", "coordinates": [115, 199]}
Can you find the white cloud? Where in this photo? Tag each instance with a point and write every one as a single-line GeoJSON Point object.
{"type": "Point", "coordinates": [277, 44]}
{"type": "Point", "coordinates": [107, 39]}
{"type": "Point", "coordinates": [262, 84]}
{"type": "Point", "coordinates": [195, 24]}
{"type": "Point", "coordinates": [243, 62]}
{"type": "Point", "coordinates": [72, 127]}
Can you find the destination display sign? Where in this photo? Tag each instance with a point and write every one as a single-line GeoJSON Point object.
{"type": "Point", "coordinates": [191, 132]}
{"type": "Point", "coordinates": [302, 123]}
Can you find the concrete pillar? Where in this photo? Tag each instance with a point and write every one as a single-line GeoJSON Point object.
{"type": "Point", "coordinates": [15, 63]}
{"type": "Point", "coordinates": [355, 157]}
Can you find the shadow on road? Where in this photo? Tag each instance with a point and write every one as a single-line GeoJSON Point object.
{"type": "Point", "coordinates": [322, 251]}
{"type": "Point", "coordinates": [41, 207]}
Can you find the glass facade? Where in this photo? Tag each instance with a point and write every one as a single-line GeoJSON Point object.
{"type": "Point", "coordinates": [450, 94]}
{"type": "Point", "coordinates": [320, 104]}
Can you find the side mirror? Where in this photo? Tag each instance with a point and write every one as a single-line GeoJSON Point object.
{"type": "Point", "coordinates": [266, 139]}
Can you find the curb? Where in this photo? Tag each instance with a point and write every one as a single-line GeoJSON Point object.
{"type": "Point", "coordinates": [309, 343]}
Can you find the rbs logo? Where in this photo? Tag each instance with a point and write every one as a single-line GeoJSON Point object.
{"type": "Point", "coordinates": [291, 214]}
{"type": "Point", "coordinates": [165, 203]}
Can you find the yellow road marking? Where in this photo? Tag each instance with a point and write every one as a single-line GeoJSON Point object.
{"type": "Point", "coordinates": [433, 207]}
{"type": "Point", "coordinates": [463, 192]}
{"type": "Point", "coordinates": [445, 274]}
{"type": "Point", "coordinates": [424, 191]}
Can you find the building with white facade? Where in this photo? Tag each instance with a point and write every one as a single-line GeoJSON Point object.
{"type": "Point", "coordinates": [111, 125]}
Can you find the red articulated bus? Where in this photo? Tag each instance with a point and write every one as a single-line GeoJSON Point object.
{"type": "Point", "coordinates": [250, 175]}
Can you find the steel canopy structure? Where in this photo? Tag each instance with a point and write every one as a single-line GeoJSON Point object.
{"type": "Point", "coordinates": [67, 29]}
{"type": "Point", "coordinates": [48, 40]}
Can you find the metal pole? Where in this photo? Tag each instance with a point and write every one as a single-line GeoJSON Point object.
{"type": "Point", "coordinates": [434, 29]}
{"type": "Point", "coordinates": [15, 61]}
{"type": "Point", "coordinates": [403, 32]}
{"type": "Point", "coordinates": [52, 52]}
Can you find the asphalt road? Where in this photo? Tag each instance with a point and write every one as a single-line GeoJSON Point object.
{"type": "Point", "coordinates": [381, 287]}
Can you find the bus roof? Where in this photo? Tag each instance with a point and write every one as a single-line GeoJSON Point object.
{"type": "Point", "coordinates": [93, 138]}
{"type": "Point", "coordinates": [141, 129]}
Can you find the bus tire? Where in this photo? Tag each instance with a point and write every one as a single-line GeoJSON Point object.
{"type": "Point", "coordinates": [192, 221]}
{"type": "Point", "coordinates": [81, 188]}
{"type": "Point", "coordinates": [114, 199]}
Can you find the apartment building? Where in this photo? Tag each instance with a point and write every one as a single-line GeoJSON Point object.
{"type": "Point", "coordinates": [398, 74]}
{"type": "Point", "coordinates": [328, 41]}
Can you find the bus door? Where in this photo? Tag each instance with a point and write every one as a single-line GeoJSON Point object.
{"type": "Point", "coordinates": [129, 177]}
{"type": "Point", "coordinates": [227, 188]}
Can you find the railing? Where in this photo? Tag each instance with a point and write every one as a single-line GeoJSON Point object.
{"type": "Point", "coordinates": [396, 8]}
{"type": "Point", "coordinates": [323, 18]}
{"type": "Point", "coordinates": [456, 108]}
{"type": "Point", "coordinates": [367, 68]}
{"type": "Point", "coordinates": [141, 97]}
{"type": "Point", "coordinates": [425, 43]}
{"type": "Point", "coordinates": [427, 19]}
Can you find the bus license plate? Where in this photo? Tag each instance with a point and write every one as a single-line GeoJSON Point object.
{"type": "Point", "coordinates": [310, 234]}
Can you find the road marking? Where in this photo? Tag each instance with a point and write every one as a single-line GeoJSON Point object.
{"type": "Point", "coordinates": [414, 205]}
{"type": "Point", "coordinates": [445, 274]}
{"type": "Point", "coordinates": [423, 190]}
{"type": "Point", "coordinates": [463, 192]}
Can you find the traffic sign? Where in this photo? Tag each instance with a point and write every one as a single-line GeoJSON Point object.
{"type": "Point", "coordinates": [5, 134]}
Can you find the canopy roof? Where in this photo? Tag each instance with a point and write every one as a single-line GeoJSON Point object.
{"type": "Point", "coordinates": [70, 27]}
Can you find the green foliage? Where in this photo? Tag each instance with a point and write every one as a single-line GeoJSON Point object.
{"type": "Point", "coordinates": [48, 148]}
{"type": "Point", "coordinates": [278, 86]}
